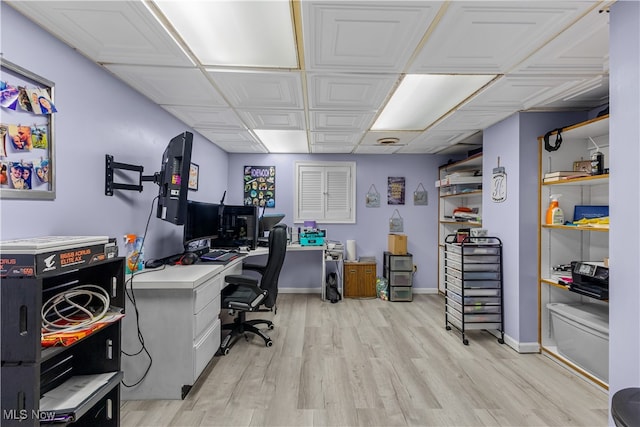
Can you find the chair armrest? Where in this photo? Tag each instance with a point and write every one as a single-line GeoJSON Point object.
{"type": "Point", "coordinates": [241, 279]}
{"type": "Point", "coordinates": [254, 267]}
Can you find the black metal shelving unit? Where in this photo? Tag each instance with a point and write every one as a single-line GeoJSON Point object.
{"type": "Point", "coordinates": [473, 285]}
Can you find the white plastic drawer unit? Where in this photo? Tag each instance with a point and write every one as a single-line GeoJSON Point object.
{"type": "Point", "coordinates": [472, 259]}
{"type": "Point", "coordinates": [473, 300]}
{"type": "Point", "coordinates": [473, 250]}
{"type": "Point", "coordinates": [473, 308]}
{"type": "Point", "coordinates": [476, 317]}
{"type": "Point", "coordinates": [469, 265]}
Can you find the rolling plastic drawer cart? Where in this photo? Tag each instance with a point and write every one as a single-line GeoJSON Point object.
{"type": "Point", "coordinates": [473, 285]}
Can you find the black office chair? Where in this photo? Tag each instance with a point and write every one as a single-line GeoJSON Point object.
{"type": "Point", "coordinates": [246, 293]}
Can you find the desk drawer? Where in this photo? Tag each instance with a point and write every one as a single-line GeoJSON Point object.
{"type": "Point", "coordinates": [205, 317]}
{"type": "Point", "coordinates": [205, 349]}
{"type": "Point", "coordinates": [206, 292]}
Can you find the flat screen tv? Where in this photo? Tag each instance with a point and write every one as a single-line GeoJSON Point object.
{"type": "Point", "coordinates": [201, 223]}
{"type": "Point", "coordinates": [173, 179]}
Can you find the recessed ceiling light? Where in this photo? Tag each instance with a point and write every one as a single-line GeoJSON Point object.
{"type": "Point", "coordinates": [421, 99]}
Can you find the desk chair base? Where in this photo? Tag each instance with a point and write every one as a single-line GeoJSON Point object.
{"type": "Point", "coordinates": [240, 327]}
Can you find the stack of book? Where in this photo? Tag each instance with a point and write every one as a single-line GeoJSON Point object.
{"type": "Point", "coordinates": [564, 175]}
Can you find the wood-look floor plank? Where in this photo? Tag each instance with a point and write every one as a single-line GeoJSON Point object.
{"type": "Point", "coordinates": [368, 362]}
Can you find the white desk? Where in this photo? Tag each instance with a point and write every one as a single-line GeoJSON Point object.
{"type": "Point", "coordinates": [179, 308]}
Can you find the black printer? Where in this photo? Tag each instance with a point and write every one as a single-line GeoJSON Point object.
{"type": "Point", "coordinates": [590, 278]}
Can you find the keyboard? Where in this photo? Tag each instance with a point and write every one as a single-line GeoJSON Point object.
{"type": "Point", "coordinates": [219, 256]}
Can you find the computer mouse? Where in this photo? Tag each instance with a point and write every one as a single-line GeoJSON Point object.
{"type": "Point", "coordinates": [188, 259]}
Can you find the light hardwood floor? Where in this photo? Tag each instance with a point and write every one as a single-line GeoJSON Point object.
{"type": "Point", "coordinates": [376, 363]}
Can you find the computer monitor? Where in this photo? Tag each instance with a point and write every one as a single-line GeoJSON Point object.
{"type": "Point", "coordinates": [238, 227]}
{"type": "Point", "coordinates": [173, 179]}
{"type": "Point", "coordinates": [267, 221]}
{"type": "Point", "coordinates": [202, 223]}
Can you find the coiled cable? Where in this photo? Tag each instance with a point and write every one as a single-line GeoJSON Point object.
{"type": "Point", "coordinates": [72, 310]}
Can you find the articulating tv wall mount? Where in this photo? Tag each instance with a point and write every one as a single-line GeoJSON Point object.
{"type": "Point", "coordinates": [109, 185]}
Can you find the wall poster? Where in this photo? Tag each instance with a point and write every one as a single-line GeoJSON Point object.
{"type": "Point", "coordinates": [260, 186]}
{"type": "Point", "coordinates": [395, 190]}
{"type": "Point", "coordinates": [26, 134]}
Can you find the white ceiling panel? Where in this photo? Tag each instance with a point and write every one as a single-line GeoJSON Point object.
{"type": "Point", "coordinates": [492, 37]}
{"type": "Point", "coordinates": [274, 119]}
{"type": "Point", "coordinates": [548, 55]}
{"type": "Point", "coordinates": [159, 84]}
{"type": "Point", "coordinates": [465, 119]}
{"type": "Point", "coordinates": [335, 138]}
{"type": "Point", "coordinates": [331, 148]}
{"type": "Point", "coordinates": [519, 93]}
{"type": "Point", "coordinates": [250, 90]}
{"type": "Point", "coordinates": [108, 31]}
{"type": "Point", "coordinates": [581, 49]}
{"type": "Point", "coordinates": [206, 117]}
{"type": "Point", "coordinates": [349, 92]}
{"type": "Point", "coordinates": [233, 141]}
{"type": "Point", "coordinates": [376, 149]}
{"type": "Point", "coordinates": [404, 137]}
{"type": "Point", "coordinates": [340, 120]}
{"type": "Point", "coordinates": [359, 36]}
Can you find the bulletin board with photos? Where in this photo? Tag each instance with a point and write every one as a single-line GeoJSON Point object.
{"type": "Point", "coordinates": [26, 134]}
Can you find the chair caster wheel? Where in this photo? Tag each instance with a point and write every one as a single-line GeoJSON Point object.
{"type": "Point", "coordinates": [465, 341]}
{"type": "Point", "coordinates": [270, 327]}
{"type": "Point", "coordinates": [224, 351]}
{"type": "Point", "coordinates": [269, 343]}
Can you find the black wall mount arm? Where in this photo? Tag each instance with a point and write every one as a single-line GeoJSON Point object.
{"type": "Point", "coordinates": [111, 166]}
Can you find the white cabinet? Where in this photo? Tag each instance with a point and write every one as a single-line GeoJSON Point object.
{"type": "Point", "coordinates": [561, 244]}
{"type": "Point", "coordinates": [178, 311]}
{"type": "Point", "coordinates": [459, 186]}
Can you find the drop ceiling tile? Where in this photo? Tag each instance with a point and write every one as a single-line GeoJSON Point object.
{"type": "Point", "coordinates": [107, 31]}
{"type": "Point", "coordinates": [252, 90]}
{"type": "Point", "coordinates": [159, 84]}
{"type": "Point", "coordinates": [375, 36]}
{"type": "Point", "coordinates": [335, 138]}
{"type": "Point", "coordinates": [404, 137]}
{"type": "Point", "coordinates": [466, 120]}
{"type": "Point", "coordinates": [340, 120]}
{"type": "Point", "coordinates": [331, 148]}
{"type": "Point", "coordinates": [519, 93]}
{"type": "Point", "coordinates": [435, 138]}
{"type": "Point", "coordinates": [274, 119]}
{"type": "Point", "coordinates": [365, 92]}
{"type": "Point", "coordinates": [233, 142]}
{"type": "Point", "coordinates": [581, 49]}
{"type": "Point", "coordinates": [492, 37]}
{"type": "Point", "coordinates": [206, 117]}
{"type": "Point", "coordinates": [375, 149]}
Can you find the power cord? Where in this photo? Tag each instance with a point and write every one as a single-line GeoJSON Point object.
{"type": "Point", "coordinates": [131, 296]}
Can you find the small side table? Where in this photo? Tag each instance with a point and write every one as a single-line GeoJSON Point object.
{"type": "Point", "coordinates": [360, 278]}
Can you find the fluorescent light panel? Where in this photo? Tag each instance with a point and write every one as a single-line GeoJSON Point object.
{"type": "Point", "coordinates": [283, 141]}
{"type": "Point", "coordinates": [236, 33]}
{"type": "Point", "coordinates": [421, 99]}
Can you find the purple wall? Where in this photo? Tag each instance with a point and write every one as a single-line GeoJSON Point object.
{"type": "Point", "coordinates": [515, 221]}
{"type": "Point", "coordinates": [624, 196]}
{"type": "Point", "coordinates": [372, 224]}
{"type": "Point", "coordinates": [98, 115]}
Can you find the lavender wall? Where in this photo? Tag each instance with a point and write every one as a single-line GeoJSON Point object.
{"type": "Point", "coordinates": [372, 224]}
{"type": "Point", "coordinates": [624, 197]}
{"type": "Point", "coordinates": [98, 115]}
{"type": "Point", "coordinates": [515, 221]}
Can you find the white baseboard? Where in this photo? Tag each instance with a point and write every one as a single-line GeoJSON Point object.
{"type": "Point", "coordinates": [299, 290]}
{"type": "Point", "coordinates": [425, 290]}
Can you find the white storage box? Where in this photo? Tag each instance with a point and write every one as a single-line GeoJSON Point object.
{"type": "Point", "coordinates": [582, 335]}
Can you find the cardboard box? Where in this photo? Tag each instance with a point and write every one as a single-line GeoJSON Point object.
{"type": "Point", "coordinates": [398, 244]}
